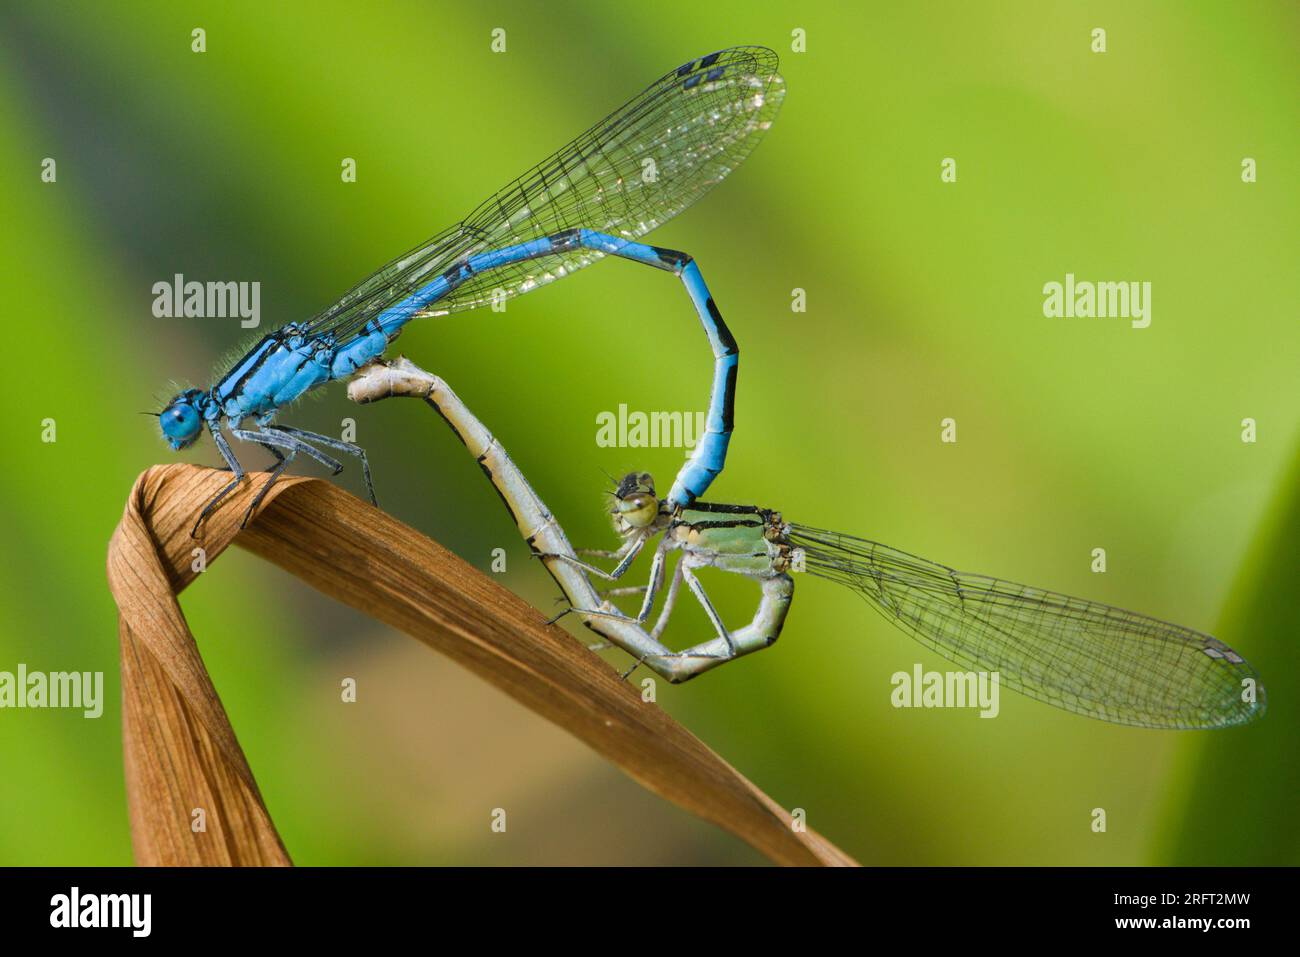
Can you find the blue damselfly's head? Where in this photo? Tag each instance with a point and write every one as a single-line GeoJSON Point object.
{"type": "Point", "coordinates": [182, 419]}
{"type": "Point", "coordinates": [635, 503]}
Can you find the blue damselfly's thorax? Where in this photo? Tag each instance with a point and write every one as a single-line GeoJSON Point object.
{"type": "Point", "coordinates": [275, 371]}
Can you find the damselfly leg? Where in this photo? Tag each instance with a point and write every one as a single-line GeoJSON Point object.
{"type": "Point", "coordinates": [332, 443]}
{"type": "Point", "coordinates": [702, 597]}
{"type": "Point", "coordinates": [284, 443]}
{"type": "Point", "coordinates": [233, 464]}
{"type": "Point", "coordinates": [282, 461]}
{"type": "Point", "coordinates": [670, 599]}
{"type": "Point", "coordinates": [650, 589]}
{"type": "Point", "coordinates": [626, 555]}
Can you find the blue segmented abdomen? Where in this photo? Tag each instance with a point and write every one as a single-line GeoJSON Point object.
{"type": "Point", "coordinates": [366, 347]}
{"type": "Point", "coordinates": [392, 319]}
{"type": "Point", "coordinates": [709, 455]}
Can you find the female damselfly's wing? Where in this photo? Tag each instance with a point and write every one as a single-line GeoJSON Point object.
{"type": "Point", "coordinates": [632, 171]}
{"type": "Point", "coordinates": [1079, 655]}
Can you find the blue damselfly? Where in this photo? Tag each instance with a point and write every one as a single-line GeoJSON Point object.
{"type": "Point", "coordinates": [628, 174]}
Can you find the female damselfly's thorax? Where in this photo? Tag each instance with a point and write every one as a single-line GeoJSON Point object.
{"type": "Point", "coordinates": [737, 538]}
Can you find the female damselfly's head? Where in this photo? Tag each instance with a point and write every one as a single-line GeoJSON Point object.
{"type": "Point", "coordinates": [635, 503]}
{"type": "Point", "coordinates": [182, 419]}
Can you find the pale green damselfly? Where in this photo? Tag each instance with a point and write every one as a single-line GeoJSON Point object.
{"type": "Point", "coordinates": [1085, 657]}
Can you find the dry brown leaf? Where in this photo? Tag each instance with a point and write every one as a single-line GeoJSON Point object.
{"type": "Point", "coordinates": [181, 752]}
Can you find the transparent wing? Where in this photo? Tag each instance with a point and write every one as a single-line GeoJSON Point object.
{"type": "Point", "coordinates": [1082, 656]}
{"type": "Point", "coordinates": [631, 172]}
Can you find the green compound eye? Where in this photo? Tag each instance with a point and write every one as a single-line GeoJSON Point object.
{"type": "Point", "coordinates": [638, 509]}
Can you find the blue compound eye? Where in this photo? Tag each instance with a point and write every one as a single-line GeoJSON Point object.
{"type": "Point", "coordinates": [181, 423]}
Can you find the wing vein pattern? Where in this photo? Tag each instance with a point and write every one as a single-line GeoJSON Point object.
{"type": "Point", "coordinates": [630, 173]}
{"type": "Point", "coordinates": [1082, 656]}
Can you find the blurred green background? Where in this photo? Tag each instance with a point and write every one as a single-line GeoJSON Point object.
{"type": "Point", "coordinates": [924, 302]}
